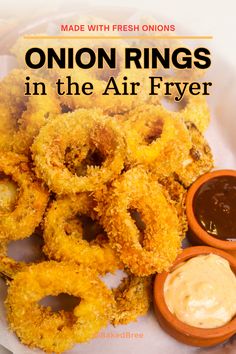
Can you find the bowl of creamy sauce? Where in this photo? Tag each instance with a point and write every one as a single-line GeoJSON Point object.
{"type": "Point", "coordinates": [195, 301]}
{"type": "Point", "coordinates": [202, 291]}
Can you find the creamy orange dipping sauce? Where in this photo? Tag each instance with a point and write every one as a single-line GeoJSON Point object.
{"type": "Point", "coordinates": [201, 292]}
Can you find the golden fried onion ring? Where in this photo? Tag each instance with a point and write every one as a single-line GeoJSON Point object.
{"type": "Point", "coordinates": [23, 116]}
{"type": "Point", "coordinates": [81, 128]}
{"type": "Point", "coordinates": [160, 240]}
{"type": "Point", "coordinates": [156, 139]}
{"type": "Point", "coordinates": [176, 195]}
{"type": "Point", "coordinates": [63, 243]}
{"type": "Point", "coordinates": [196, 111]}
{"type": "Point", "coordinates": [193, 108]}
{"type": "Point", "coordinates": [200, 159]}
{"type": "Point", "coordinates": [32, 201]}
{"type": "Point", "coordinates": [38, 326]}
{"type": "Point", "coordinates": [132, 299]}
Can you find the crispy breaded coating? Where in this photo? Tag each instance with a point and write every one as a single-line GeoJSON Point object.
{"type": "Point", "coordinates": [22, 116]}
{"type": "Point", "coordinates": [192, 108]}
{"type": "Point", "coordinates": [200, 159]}
{"type": "Point", "coordinates": [39, 326]}
{"type": "Point", "coordinates": [31, 202]}
{"type": "Point", "coordinates": [196, 111]}
{"type": "Point", "coordinates": [176, 195]}
{"type": "Point", "coordinates": [132, 298]}
{"type": "Point", "coordinates": [156, 247]}
{"type": "Point", "coordinates": [63, 242]}
{"type": "Point", "coordinates": [81, 128]}
{"type": "Point", "coordinates": [156, 139]}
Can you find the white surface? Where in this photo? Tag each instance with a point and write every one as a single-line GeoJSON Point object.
{"type": "Point", "coordinates": [216, 20]}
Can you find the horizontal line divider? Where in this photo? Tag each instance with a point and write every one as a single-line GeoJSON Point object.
{"type": "Point", "coordinates": [117, 37]}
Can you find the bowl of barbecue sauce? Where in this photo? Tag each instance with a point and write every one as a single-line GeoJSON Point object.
{"type": "Point", "coordinates": [211, 210]}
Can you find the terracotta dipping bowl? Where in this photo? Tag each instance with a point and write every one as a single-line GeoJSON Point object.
{"type": "Point", "coordinates": [196, 234]}
{"type": "Point", "coordinates": [185, 333]}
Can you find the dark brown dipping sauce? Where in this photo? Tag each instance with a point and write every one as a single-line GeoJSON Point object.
{"type": "Point", "coordinates": [215, 207]}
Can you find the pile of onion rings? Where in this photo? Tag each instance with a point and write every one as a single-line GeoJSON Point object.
{"type": "Point", "coordinates": [105, 178]}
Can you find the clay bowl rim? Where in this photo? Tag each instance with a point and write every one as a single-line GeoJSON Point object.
{"type": "Point", "coordinates": [229, 329]}
{"type": "Point", "coordinates": [195, 227]}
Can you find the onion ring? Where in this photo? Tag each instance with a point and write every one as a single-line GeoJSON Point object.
{"type": "Point", "coordinates": [87, 128]}
{"type": "Point", "coordinates": [196, 111]}
{"type": "Point", "coordinates": [176, 195]}
{"type": "Point", "coordinates": [194, 108]}
{"type": "Point", "coordinates": [28, 212]}
{"type": "Point", "coordinates": [156, 139]}
{"type": "Point", "coordinates": [132, 299]}
{"type": "Point", "coordinates": [63, 242]}
{"type": "Point", "coordinates": [200, 159]}
{"type": "Point", "coordinates": [57, 332]}
{"type": "Point", "coordinates": [23, 116]}
{"type": "Point", "coordinates": [160, 242]}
